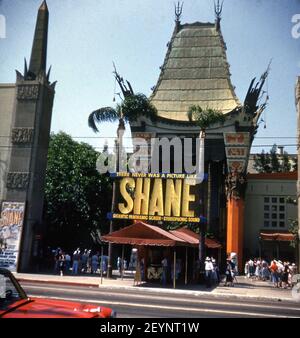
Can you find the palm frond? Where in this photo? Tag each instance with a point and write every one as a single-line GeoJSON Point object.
{"type": "Point", "coordinates": [205, 117]}
{"type": "Point", "coordinates": [105, 114]}
{"type": "Point", "coordinates": [137, 105]}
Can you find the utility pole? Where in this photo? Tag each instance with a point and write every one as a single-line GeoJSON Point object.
{"type": "Point", "coordinates": [119, 147]}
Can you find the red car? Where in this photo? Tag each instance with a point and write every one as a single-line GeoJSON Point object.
{"type": "Point", "coordinates": [14, 303]}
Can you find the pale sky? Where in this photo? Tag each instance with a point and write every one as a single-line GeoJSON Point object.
{"type": "Point", "coordinates": [85, 37]}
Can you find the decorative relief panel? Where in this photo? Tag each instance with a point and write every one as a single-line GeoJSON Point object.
{"type": "Point", "coordinates": [17, 180]}
{"type": "Point", "coordinates": [28, 92]}
{"type": "Point", "coordinates": [235, 185]}
{"type": "Point", "coordinates": [22, 135]}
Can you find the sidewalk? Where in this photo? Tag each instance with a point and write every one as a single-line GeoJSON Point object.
{"type": "Point", "coordinates": [245, 288]}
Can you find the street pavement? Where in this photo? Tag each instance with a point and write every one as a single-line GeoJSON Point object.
{"type": "Point", "coordinates": [244, 288]}
{"type": "Point", "coordinates": [144, 302]}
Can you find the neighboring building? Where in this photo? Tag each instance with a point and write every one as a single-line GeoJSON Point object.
{"type": "Point", "coordinates": [267, 212]}
{"type": "Point", "coordinates": [25, 114]}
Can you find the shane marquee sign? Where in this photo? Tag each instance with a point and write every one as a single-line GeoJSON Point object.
{"type": "Point", "coordinates": [159, 197]}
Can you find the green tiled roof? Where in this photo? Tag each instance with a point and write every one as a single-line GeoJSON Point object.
{"type": "Point", "coordinates": [195, 71]}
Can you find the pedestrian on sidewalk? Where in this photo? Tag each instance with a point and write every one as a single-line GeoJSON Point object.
{"type": "Point", "coordinates": [84, 261]}
{"type": "Point", "coordinates": [208, 271]}
{"type": "Point", "coordinates": [56, 261]}
{"type": "Point", "coordinates": [104, 265]}
{"type": "Point", "coordinates": [125, 264]}
{"type": "Point", "coordinates": [274, 273]}
{"type": "Point", "coordinates": [119, 265]}
{"type": "Point", "coordinates": [142, 268]}
{"type": "Point", "coordinates": [228, 274]}
{"type": "Point", "coordinates": [285, 275]}
{"type": "Point", "coordinates": [137, 276]}
{"type": "Point", "coordinates": [61, 260]}
{"type": "Point", "coordinates": [76, 260]}
{"type": "Point", "coordinates": [95, 260]}
{"type": "Point", "coordinates": [164, 264]}
{"type": "Point", "coordinates": [68, 262]}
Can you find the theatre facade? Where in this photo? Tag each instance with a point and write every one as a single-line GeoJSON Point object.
{"type": "Point", "coordinates": [195, 71]}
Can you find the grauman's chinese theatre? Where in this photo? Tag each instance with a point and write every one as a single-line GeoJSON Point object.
{"type": "Point", "coordinates": [196, 72]}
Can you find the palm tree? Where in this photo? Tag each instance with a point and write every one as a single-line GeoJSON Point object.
{"type": "Point", "coordinates": [204, 118]}
{"type": "Point", "coordinates": [132, 106]}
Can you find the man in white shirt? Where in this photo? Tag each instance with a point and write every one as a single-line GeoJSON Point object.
{"type": "Point", "coordinates": [208, 271]}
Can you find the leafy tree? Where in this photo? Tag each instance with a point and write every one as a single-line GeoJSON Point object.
{"type": "Point", "coordinates": [286, 164]}
{"type": "Point", "coordinates": [204, 117]}
{"type": "Point", "coordinates": [262, 163]}
{"type": "Point", "coordinates": [293, 223]}
{"type": "Point", "coordinates": [295, 164]}
{"type": "Point", "coordinates": [274, 163]}
{"type": "Point", "coordinates": [77, 197]}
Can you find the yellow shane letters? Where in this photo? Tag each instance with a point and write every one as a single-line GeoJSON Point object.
{"type": "Point", "coordinates": [151, 202]}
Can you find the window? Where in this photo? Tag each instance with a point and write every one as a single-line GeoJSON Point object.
{"type": "Point", "coordinates": [274, 212]}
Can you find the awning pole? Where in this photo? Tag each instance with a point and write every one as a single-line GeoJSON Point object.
{"type": "Point", "coordinates": [101, 262]}
{"type": "Point", "coordinates": [186, 265]}
{"type": "Point", "coordinates": [122, 267]}
{"type": "Point", "coordinates": [259, 247]}
{"type": "Point", "coordinates": [174, 269]}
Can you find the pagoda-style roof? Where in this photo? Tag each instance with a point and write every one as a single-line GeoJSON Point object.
{"type": "Point", "coordinates": [195, 72]}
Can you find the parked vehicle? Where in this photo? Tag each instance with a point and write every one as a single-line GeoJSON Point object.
{"type": "Point", "coordinates": [14, 303]}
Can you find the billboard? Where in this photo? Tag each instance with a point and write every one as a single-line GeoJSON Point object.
{"type": "Point", "coordinates": [157, 197]}
{"type": "Point", "coordinates": [11, 225]}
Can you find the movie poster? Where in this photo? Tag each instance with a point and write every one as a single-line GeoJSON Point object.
{"type": "Point", "coordinates": [11, 225]}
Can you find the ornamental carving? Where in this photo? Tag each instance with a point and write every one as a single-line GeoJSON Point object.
{"type": "Point", "coordinates": [235, 185]}
{"type": "Point", "coordinates": [17, 180]}
{"type": "Point", "coordinates": [22, 135]}
{"type": "Point", "coordinates": [298, 91]}
{"type": "Point", "coordinates": [28, 92]}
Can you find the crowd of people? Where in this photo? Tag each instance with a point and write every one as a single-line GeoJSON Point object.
{"type": "Point", "coordinates": [80, 262]}
{"type": "Point", "coordinates": [278, 272]}
{"type": "Point", "coordinates": [86, 261]}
